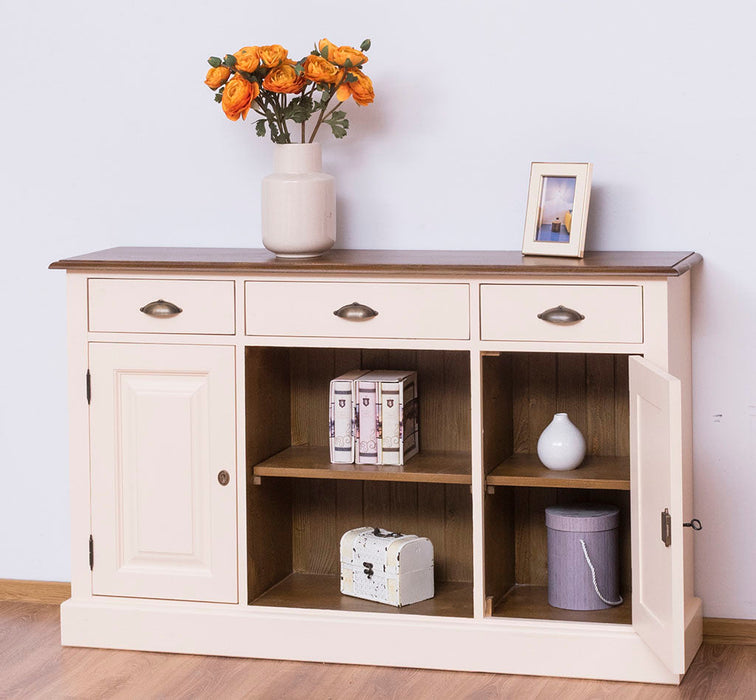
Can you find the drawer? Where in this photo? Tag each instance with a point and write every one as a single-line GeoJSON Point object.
{"type": "Point", "coordinates": [206, 307]}
{"type": "Point", "coordinates": [403, 310]}
{"type": "Point", "coordinates": [612, 314]}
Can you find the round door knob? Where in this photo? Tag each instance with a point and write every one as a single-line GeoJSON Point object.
{"type": "Point", "coordinates": [223, 477]}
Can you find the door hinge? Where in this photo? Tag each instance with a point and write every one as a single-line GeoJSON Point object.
{"type": "Point", "coordinates": [89, 387]}
{"type": "Point", "coordinates": [91, 553]}
{"type": "Point", "coordinates": [666, 527]}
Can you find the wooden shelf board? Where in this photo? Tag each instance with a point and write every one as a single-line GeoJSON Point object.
{"type": "Point", "coordinates": [532, 602]}
{"type": "Point", "coordinates": [313, 463]}
{"type": "Point", "coordinates": [596, 472]}
{"type": "Point", "coordinates": [321, 592]}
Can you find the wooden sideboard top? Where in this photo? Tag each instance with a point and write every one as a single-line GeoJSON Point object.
{"type": "Point", "coordinates": [387, 262]}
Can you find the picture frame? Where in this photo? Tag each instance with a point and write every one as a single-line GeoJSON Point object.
{"type": "Point", "coordinates": [557, 212]}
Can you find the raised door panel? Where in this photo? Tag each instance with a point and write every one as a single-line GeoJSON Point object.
{"type": "Point", "coordinates": [162, 420]}
{"type": "Point", "coordinates": [656, 490]}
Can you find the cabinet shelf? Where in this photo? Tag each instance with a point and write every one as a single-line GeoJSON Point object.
{"type": "Point", "coordinates": [532, 602]}
{"type": "Point", "coordinates": [596, 472]}
{"type": "Point", "coordinates": [321, 592]}
{"type": "Point", "coordinates": [439, 467]}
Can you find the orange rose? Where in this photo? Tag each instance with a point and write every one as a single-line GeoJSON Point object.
{"type": "Point", "coordinates": [361, 89]}
{"type": "Point", "coordinates": [319, 70]}
{"type": "Point", "coordinates": [323, 43]}
{"type": "Point", "coordinates": [272, 56]}
{"type": "Point", "coordinates": [340, 54]}
{"type": "Point", "coordinates": [284, 79]}
{"type": "Point", "coordinates": [344, 53]}
{"type": "Point", "coordinates": [247, 59]}
{"type": "Point", "coordinates": [217, 76]}
{"type": "Point", "coordinates": [238, 96]}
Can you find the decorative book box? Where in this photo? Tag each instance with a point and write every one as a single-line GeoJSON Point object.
{"type": "Point", "coordinates": [396, 414]}
{"type": "Point", "coordinates": [342, 404]}
{"type": "Point", "coordinates": [387, 567]}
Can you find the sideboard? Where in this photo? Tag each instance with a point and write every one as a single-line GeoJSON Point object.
{"type": "Point", "coordinates": [206, 515]}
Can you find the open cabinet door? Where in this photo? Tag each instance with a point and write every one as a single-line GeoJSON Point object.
{"type": "Point", "coordinates": [656, 504]}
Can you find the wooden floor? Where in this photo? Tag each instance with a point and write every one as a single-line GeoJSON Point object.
{"type": "Point", "coordinates": [34, 665]}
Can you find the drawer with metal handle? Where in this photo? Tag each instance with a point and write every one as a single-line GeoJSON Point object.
{"type": "Point", "coordinates": [357, 309]}
{"type": "Point", "coordinates": [562, 313]}
{"type": "Point", "coordinates": [161, 306]}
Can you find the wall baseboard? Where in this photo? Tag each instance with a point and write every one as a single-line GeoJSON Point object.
{"type": "Point", "coordinates": [48, 592]}
{"type": "Point", "coordinates": [721, 630]}
{"type": "Point", "coordinates": [716, 630]}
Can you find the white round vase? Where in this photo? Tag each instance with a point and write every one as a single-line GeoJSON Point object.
{"type": "Point", "coordinates": [561, 446]}
{"type": "Point", "coordinates": [298, 203]}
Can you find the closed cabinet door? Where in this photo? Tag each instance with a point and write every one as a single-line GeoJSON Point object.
{"type": "Point", "coordinates": [656, 474]}
{"type": "Point", "coordinates": [163, 471]}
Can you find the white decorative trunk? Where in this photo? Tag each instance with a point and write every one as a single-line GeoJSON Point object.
{"type": "Point", "coordinates": [298, 203]}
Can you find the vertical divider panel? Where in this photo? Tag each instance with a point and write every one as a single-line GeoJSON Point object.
{"type": "Point", "coordinates": [477, 432]}
{"type": "Point", "coordinates": [242, 476]}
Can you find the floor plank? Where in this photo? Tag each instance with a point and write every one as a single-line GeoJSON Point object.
{"type": "Point", "coordinates": [34, 665]}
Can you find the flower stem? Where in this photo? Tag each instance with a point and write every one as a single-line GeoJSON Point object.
{"type": "Point", "coordinates": [321, 116]}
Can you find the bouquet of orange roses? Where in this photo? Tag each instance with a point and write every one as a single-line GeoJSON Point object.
{"type": "Point", "coordinates": [282, 91]}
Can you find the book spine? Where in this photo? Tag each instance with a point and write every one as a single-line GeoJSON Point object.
{"type": "Point", "coordinates": [367, 423]}
{"type": "Point", "coordinates": [409, 431]}
{"type": "Point", "coordinates": [390, 401]}
{"type": "Point", "coordinates": [341, 422]}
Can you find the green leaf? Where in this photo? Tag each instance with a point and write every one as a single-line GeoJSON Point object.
{"type": "Point", "coordinates": [260, 127]}
{"type": "Point", "coordinates": [324, 51]}
{"type": "Point", "coordinates": [348, 63]}
{"type": "Point", "coordinates": [365, 45]}
{"type": "Point", "coordinates": [339, 131]}
{"type": "Point", "coordinates": [230, 60]}
{"type": "Point", "coordinates": [300, 109]}
{"type": "Point", "coordinates": [250, 77]}
{"type": "Point", "coordinates": [349, 78]}
{"type": "Point", "coordinates": [338, 123]}
{"type": "Point", "coordinates": [274, 135]}
{"type": "Point", "coordinates": [315, 53]}
{"type": "Point", "coordinates": [218, 97]}
{"type": "Point", "coordinates": [214, 61]}
{"type": "Point", "coordinates": [298, 68]}
{"type": "Point", "coordinates": [324, 98]}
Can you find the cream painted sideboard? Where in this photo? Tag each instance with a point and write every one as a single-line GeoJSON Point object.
{"type": "Point", "coordinates": [205, 513]}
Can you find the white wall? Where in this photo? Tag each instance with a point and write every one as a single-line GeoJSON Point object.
{"type": "Point", "coordinates": [108, 137]}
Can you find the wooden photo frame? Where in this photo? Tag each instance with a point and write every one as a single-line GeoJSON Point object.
{"type": "Point", "coordinates": [558, 198]}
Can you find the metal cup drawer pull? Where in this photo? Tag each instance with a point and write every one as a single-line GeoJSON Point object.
{"type": "Point", "coordinates": [161, 309]}
{"type": "Point", "coordinates": [355, 312]}
{"type": "Point", "coordinates": [561, 315]}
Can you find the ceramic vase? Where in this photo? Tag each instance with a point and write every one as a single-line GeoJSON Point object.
{"type": "Point", "coordinates": [561, 446]}
{"type": "Point", "coordinates": [298, 203]}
